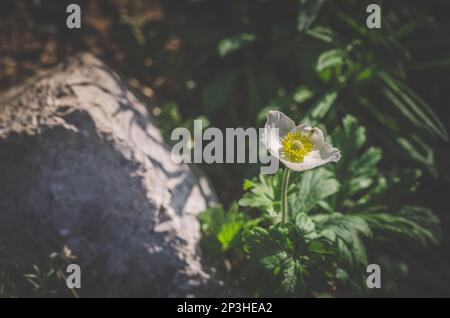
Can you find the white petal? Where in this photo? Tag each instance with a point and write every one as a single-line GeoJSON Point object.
{"type": "Point", "coordinates": [326, 151]}
{"type": "Point", "coordinates": [279, 120]}
{"type": "Point", "coordinates": [329, 153]}
{"type": "Point", "coordinates": [277, 126]}
{"type": "Point", "coordinates": [304, 128]}
{"type": "Point", "coordinates": [317, 136]}
{"type": "Point", "coordinates": [271, 140]}
{"type": "Point", "coordinates": [321, 154]}
{"type": "Point", "coordinates": [312, 160]}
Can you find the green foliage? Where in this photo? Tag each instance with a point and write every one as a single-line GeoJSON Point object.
{"type": "Point", "coordinates": [308, 11]}
{"type": "Point", "coordinates": [336, 211]}
{"type": "Point", "coordinates": [229, 45]}
{"type": "Point", "coordinates": [264, 194]}
{"type": "Point", "coordinates": [34, 280]}
{"type": "Point", "coordinates": [311, 190]}
{"type": "Point", "coordinates": [358, 64]}
{"type": "Point", "coordinates": [414, 223]}
{"type": "Point", "coordinates": [350, 69]}
{"type": "Point", "coordinates": [291, 254]}
{"type": "Point", "coordinates": [317, 61]}
{"type": "Point", "coordinates": [320, 108]}
{"type": "Point", "coordinates": [222, 229]}
{"type": "Point", "coordinates": [373, 194]}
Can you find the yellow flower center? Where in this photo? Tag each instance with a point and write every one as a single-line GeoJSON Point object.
{"type": "Point", "coordinates": [295, 146]}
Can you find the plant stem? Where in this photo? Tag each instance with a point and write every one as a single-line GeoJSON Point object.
{"type": "Point", "coordinates": [284, 188]}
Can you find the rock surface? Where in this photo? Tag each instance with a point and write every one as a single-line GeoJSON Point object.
{"type": "Point", "coordinates": [83, 167]}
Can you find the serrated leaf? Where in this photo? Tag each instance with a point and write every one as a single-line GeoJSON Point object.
{"type": "Point", "coordinates": [275, 262]}
{"type": "Point", "coordinates": [288, 256]}
{"type": "Point", "coordinates": [415, 223]}
{"type": "Point", "coordinates": [345, 231]}
{"type": "Point", "coordinates": [221, 230]}
{"type": "Point", "coordinates": [350, 136]}
{"type": "Point", "coordinates": [289, 281]}
{"type": "Point", "coordinates": [314, 186]}
{"type": "Point", "coordinates": [264, 194]}
{"type": "Point", "coordinates": [304, 223]}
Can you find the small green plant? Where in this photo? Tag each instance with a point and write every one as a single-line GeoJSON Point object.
{"type": "Point", "coordinates": [339, 218]}
{"type": "Point", "coordinates": [45, 279]}
{"type": "Point", "coordinates": [221, 229]}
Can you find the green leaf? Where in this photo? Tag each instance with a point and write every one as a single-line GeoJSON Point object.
{"type": "Point", "coordinates": [345, 231]}
{"type": "Point", "coordinates": [350, 137]}
{"type": "Point", "coordinates": [314, 186]}
{"type": "Point", "coordinates": [290, 276]}
{"type": "Point", "coordinates": [274, 262]}
{"type": "Point", "coordinates": [254, 240]}
{"type": "Point", "coordinates": [330, 59]}
{"type": "Point", "coordinates": [365, 74]}
{"type": "Point", "coordinates": [289, 257]}
{"type": "Point", "coordinates": [321, 107]}
{"type": "Point", "coordinates": [405, 143]}
{"type": "Point", "coordinates": [356, 171]}
{"type": "Point", "coordinates": [323, 33]}
{"type": "Point", "coordinates": [304, 223]}
{"type": "Point", "coordinates": [410, 27]}
{"type": "Point", "coordinates": [412, 106]}
{"type": "Point", "coordinates": [363, 171]}
{"type": "Point", "coordinates": [232, 44]}
{"type": "Point", "coordinates": [418, 150]}
{"type": "Point", "coordinates": [411, 222]}
{"type": "Point", "coordinates": [388, 190]}
{"type": "Point", "coordinates": [264, 193]}
{"type": "Point", "coordinates": [221, 230]}
{"type": "Point", "coordinates": [302, 94]}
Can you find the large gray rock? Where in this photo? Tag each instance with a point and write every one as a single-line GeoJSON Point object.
{"type": "Point", "coordinates": [83, 167]}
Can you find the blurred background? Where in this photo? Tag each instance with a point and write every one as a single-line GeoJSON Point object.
{"type": "Point", "coordinates": [228, 62]}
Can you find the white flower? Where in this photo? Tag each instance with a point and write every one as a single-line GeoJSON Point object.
{"type": "Point", "coordinates": [299, 147]}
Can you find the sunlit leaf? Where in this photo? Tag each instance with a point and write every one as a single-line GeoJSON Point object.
{"type": "Point", "coordinates": [330, 59]}
{"type": "Point", "coordinates": [232, 44]}
{"type": "Point", "coordinates": [321, 107]}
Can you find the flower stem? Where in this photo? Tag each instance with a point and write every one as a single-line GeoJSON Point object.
{"type": "Point", "coordinates": [284, 188]}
